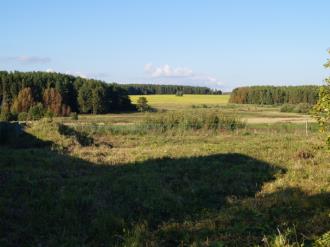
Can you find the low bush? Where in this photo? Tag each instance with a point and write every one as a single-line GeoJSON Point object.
{"type": "Point", "coordinates": [8, 116]}
{"type": "Point", "coordinates": [194, 120]}
{"type": "Point", "coordinates": [287, 108]}
{"type": "Point", "coordinates": [74, 116]}
{"type": "Point", "coordinates": [299, 108]}
{"type": "Point", "coordinates": [49, 114]}
{"type": "Point", "coordinates": [142, 104]}
{"type": "Point", "coordinates": [37, 112]}
{"type": "Point", "coordinates": [302, 108]}
{"type": "Point", "coordinates": [22, 116]}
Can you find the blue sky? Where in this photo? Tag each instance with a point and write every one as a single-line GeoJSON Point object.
{"type": "Point", "coordinates": [216, 43]}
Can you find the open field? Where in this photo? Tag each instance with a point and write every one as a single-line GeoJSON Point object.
{"type": "Point", "coordinates": [103, 181]}
{"type": "Point", "coordinates": [176, 102]}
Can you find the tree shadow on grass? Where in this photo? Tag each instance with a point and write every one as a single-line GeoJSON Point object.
{"type": "Point", "coordinates": [51, 199]}
{"type": "Point", "coordinates": [291, 213]}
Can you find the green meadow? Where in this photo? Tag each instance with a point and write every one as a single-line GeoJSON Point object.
{"type": "Point", "coordinates": [197, 172]}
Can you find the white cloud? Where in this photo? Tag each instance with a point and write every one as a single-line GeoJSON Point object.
{"type": "Point", "coordinates": [88, 75]}
{"type": "Point", "coordinates": [185, 75]}
{"type": "Point", "coordinates": [50, 70]}
{"type": "Point", "coordinates": [167, 71]}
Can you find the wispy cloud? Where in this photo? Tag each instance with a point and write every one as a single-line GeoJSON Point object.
{"type": "Point", "coordinates": [167, 71]}
{"type": "Point", "coordinates": [91, 75]}
{"type": "Point", "coordinates": [50, 70]}
{"type": "Point", "coordinates": [86, 75]}
{"type": "Point", "coordinates": [185, 75]}
{"type": "Point", "coordinates": [28, 59]}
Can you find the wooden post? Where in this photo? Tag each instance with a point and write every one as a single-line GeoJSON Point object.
{"type": "Point", "coordinates": [306, 127]}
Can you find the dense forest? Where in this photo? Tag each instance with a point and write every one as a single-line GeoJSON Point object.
{"type": "Point", "coordinates": [60, 93]}
{"type": "Point", "coordinates": [271, 95]}
{"type": "Point", "coordinates": [139, 89]}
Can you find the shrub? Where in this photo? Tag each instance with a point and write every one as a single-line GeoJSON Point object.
{"type": "Point", "coordinates": [8, 116]}
{"type": "Point", "coordinates": [74, 116]}
{"type": "Point", "coordinates": [287, 108]}
{"type": "Point", "coordinates": [49, 114]}
{"type": "Point", "coordinates": [36, 112]}
{"type": "Point", "coordinates": [142, 104]}
{"type": "Point", "coordinates": [22, 116]}
{"type": "Point", "coordinates": [302, 108]}
{"type": "Point", "coordinates": [299, 108]}
{"type": "Point", "coordinates": [193, 120]}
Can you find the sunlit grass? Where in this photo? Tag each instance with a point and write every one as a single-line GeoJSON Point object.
{"type": "Point", "coordinates": [173, 102]}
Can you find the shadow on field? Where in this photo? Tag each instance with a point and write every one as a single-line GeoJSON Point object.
{"type": "Point", "coordinates": [12, 135]}
{"type": "Point", "coordinates": [297, 216]}
{"type": "Point", "coordinates": [51, 199]}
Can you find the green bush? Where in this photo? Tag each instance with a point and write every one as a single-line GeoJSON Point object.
{"type": "Point", "coordinates": [302, 108]}
{"type": "Point", "coordinates": [22, 116]}
{"type": "Point", "coordinates": [287, 108]}
{"type": "Point", "coordinates": [8, 116]}
{"type": "Point", "coordinates": [299, 108]}
{"type": "Point", "coordinates": [193, 120]}
{"type": "Point", "coordinates": [142, 104]}
{"type": "Point", "coordinates": [37, 112]}
{"type": "Point", "coordinates": [74, 116]}
{"type": "Point", "coordinates": [49, 114]}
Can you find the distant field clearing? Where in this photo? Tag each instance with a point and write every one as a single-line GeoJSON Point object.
{"type": "Point", "coordinates": [170, 101]}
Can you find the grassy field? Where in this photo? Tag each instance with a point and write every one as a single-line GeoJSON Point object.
{"type": "Point", "coordinates": [105, 181]}
{"type": "Point", "coordinates": [177, 102]}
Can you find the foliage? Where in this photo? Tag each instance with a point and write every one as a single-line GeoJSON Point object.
{"type": "Point", "coordinates": [22, 116]}
{"type": "Point", "coordinates": [23, 101]}
{"type": "Point", "coordinates": [322, 108]}
{"type": "Point", "coordinates": [299, 108]}
{"type": "Point", "coordinates": [74, 116]}
{"type": "Point", "coordinates": [323, 241]}
{"type": "Point", "coordinates": [142, 104]}
{"type": "Point", "coordinates": [52, 100]}
{"type": "Point", "coordinates": [144, 89]}
{"type": "Point", "coordinates": [270, 95]}
{"type": "Point", "coordinates": [36, 112]}
{"type": "Point", "coordinates": [7, 116]}
{"type": "Point", "coordinates": [98, 95]}
{"type": "Point", "coordinates": [194, 120]}
{"type": "Point", "coordinates": [61, 93]}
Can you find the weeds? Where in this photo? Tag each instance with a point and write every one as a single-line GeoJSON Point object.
{"type": "Point", "coordinates": [191, 120]}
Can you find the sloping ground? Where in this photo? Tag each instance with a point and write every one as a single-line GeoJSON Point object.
{"type": "Point", "coordinates": [212, 189]}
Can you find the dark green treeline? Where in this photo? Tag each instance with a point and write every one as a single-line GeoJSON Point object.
{"type": "Point", "coordinates": [271, 95]}
{"type": "Point", "coordinates": [80, 94]}
{"type": "Point", "coordinates": [139, 89]}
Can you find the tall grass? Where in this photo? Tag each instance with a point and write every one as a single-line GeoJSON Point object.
{"type": "Point", "coordinates": [191, 120]}
{"type": "Point", "coordinates": [299, 108]}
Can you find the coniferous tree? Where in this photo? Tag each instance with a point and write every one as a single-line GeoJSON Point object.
{"type": "Point", "coordinates": [24, 101]}
{"type": "Point", "coordinates": [52, 100]}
